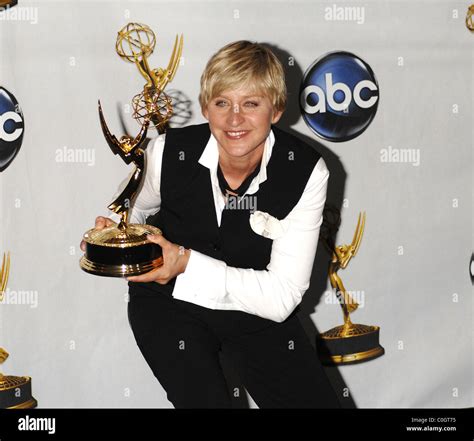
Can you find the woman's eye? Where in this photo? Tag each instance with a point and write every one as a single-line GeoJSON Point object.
{"type": "Point", "coordinates": [251, 104]}
{"type": "Point", "coordinates": [221, 103]}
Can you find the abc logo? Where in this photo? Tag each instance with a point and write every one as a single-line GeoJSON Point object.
{"type": "Point", "coordinates": [339, 96]}
{"type": "Point", "coordinates": [11, 128]}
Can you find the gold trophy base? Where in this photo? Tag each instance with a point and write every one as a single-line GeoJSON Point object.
{"type": "Point", "coordinates": [349, 344]}
{"type": "Point", "coordinates": [118, 270]}
{"type": "Point", "coordinates": [116, 252]}
{"type": "Point", "coordinates": [15, 393]}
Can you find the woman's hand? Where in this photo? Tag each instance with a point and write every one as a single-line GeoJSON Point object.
{"type": "Point", "coordinates": [175, 260]}
{"type": "Point", "coordinates": [100, 223]}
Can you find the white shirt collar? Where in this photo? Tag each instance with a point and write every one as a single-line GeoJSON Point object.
{"type": "Point", "coordinates": [210, 159]}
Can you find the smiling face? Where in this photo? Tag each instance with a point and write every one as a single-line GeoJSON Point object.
{"type": "Point", "coordinates": [240, 120]}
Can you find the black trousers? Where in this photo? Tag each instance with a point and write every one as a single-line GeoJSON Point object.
{"type": "Point", "coordinates": [181, 342]}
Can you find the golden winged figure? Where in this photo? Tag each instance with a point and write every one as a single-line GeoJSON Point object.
{"type": "Point", "coordinates": [130, 150]}
{"type": "Point", "coordinates": [124, 250]}
{"type": "Point", "coordinates": [470, 18]}
{"type": "Point", "coordinates": [341, 256]}
{"type": "Point", "coordinates": [135, 42]}
{"type": "Point", "coordinates": [22, 399]}
{"type": "Point", "coordinates": [350, 342]}
{"type": "Point", "coordinates": [4, 273]}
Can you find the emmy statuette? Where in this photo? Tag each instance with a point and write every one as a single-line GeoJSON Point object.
{"type": "Point", "coordinates": [123, 250]}
{"type": "Point", "coordinates": [15, 392]}
{"type": "Point", "coordinates": [349, 343]}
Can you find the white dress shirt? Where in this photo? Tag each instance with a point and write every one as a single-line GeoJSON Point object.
{"type": "Point", "coordinates": [272, 293]}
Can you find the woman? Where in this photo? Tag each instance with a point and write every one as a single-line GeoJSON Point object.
{"type": "Point", "coordinates": [240, 205]}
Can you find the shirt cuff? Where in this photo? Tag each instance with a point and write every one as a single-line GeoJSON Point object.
{"type": "Point", "coordinates": [203, 281]}
{"type": "Point", "coordinates": [115, 217]}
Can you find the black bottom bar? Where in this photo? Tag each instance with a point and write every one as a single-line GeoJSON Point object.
{"type": "Point", "coordinates": [238, 424]}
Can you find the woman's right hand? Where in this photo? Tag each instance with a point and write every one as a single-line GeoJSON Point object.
{"type": "Point", "coordinates": [100, 223]}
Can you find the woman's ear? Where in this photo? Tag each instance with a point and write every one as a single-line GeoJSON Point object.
{"type": "Point", "coordinates": [205, 113]}
{"type": "Point", "coordinates": [276, 116]}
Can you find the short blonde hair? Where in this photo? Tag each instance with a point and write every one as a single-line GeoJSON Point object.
{"type": "Point", "coordinates": [244, 63]}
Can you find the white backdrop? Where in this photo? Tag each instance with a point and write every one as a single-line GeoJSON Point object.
{"type": "Point", "coordinates": [71, 333]}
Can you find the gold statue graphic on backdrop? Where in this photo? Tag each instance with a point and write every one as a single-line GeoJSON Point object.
{"type": "Point", "coordinates": [469, 18]}
{"type": "Point", "coordinates": [123, 250]}
{"type": "Point", "coordinates": [347, 343]}
{"type": "Point", "coordinates": [15, 392]}
{"type": "Point", "coordinates": [341, 256]}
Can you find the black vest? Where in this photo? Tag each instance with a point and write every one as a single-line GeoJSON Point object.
{"type": "Point", "coordinates": [187, 214]}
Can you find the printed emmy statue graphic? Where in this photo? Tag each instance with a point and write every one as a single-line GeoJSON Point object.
{"type": "Point", "coordinates": [123, 250]}
{"type": "Point", "coordinates": [7, 3]}
{"type": "Point", "coordinates": [15, 392]}
{"type": "Point", "coordinates": [470, 18]}
{"type": "Point", "coordinates": [348, 343]}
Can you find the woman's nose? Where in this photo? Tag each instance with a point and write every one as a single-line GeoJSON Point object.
{"type": "Point", "coordinates": [235, 117]}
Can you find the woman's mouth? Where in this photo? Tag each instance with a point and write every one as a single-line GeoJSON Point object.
{"type": "Point", "coordinates": [236, 134]}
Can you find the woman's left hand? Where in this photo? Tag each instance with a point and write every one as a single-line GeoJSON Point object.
{"type": "Point", "coordinates": [175, 260]}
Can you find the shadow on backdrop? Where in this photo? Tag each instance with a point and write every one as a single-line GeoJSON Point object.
{"type": "Point", "coordinates": [335, 196]}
